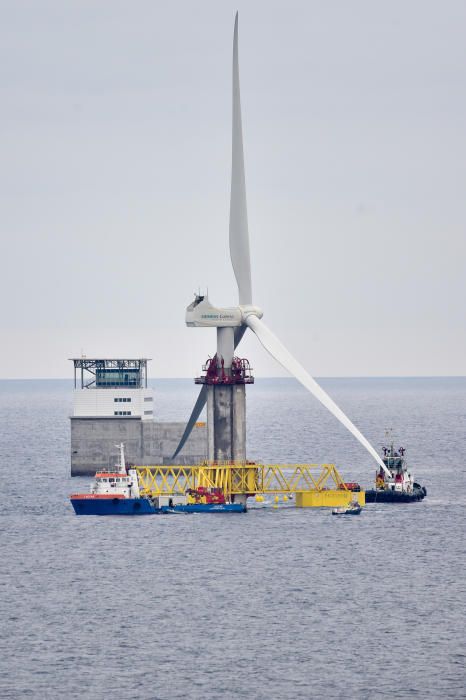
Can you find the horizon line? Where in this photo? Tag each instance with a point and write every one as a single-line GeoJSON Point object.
{"type": "Point", "coordinates": [328, 376]}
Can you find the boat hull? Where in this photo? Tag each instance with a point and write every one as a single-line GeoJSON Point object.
{"type": "Point", "coordinates": [113, 506]}
{"type": "Point", "coordinates": [385, 496]}
{"type": "Point", "coordinates": [205, 508]}
{"type": "Point", "coordinates": [352, 511]}
{"type": "Point", "coordinates": [143, 506]}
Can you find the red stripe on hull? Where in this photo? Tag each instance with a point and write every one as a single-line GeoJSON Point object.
{"type": "Point", "coordinates": [99, 496]}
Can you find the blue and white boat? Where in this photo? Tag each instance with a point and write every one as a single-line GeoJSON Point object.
{"type": "Point", "coordinates": [117, 492]}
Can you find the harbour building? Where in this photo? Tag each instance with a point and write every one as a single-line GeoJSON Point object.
{"type": "Point", "coordinates": [112, 403]}
{"type": "Point", "coordinates": [117, 388]}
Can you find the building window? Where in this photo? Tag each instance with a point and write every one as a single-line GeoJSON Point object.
{"type": "Point", "coordinates": [121, 413]}
{"type": "Point", "coordinates": [128, 377]}
{"type": "Point", "coordinates": [148, 398]}
{"type": "Point", "coordinates": [148, 413]}
{"type": "Point", "coordinates": [124, 400]}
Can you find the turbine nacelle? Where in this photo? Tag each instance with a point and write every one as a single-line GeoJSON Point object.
{"type": "Point", "coordinates": [202, 314]}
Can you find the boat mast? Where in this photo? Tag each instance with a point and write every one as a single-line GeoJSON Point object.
{"type": "Point", "coordinates": [121, 465]}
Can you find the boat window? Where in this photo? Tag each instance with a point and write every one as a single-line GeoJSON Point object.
{"type": "Point", "coordinates": [117, 479]}
{"type": "Point", "coordinates": [111, 479]}
{"type": "Point", "coordinates": [104, 479]}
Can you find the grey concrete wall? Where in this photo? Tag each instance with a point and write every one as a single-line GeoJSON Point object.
{"type": "Point", "coordinates": [147, 442]}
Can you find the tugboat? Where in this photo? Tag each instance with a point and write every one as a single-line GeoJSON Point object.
{"type": "Point", "coordinates": [395, 484]}
{"type": "Point", "coordinates": [117, 492]}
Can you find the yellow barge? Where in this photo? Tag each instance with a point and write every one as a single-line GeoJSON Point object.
{"type": "Point", "coordinates": [311, 485]}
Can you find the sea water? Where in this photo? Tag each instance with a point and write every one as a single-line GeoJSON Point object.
{"type": "Point", "coordinates": [276, 603]}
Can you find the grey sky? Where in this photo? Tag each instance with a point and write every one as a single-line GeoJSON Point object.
{"type": "Point", "coordinates": [115, 166]}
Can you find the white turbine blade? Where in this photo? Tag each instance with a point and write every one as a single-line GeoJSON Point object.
{"type": "Point", "coordinates": [239, 236]}
{"type": "Point", "coordinates": [281, 354]}
{"type": "Point", "coordinates": [196, 412]}
{"type": "Point", "coordinates": [239, 332]}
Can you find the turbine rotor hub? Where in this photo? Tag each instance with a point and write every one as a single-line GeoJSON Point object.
{"type": "Point", "coordinates": [250, 310]}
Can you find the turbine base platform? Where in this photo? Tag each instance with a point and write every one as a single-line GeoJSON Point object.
{"type": "Point", "coordinates": [216, 373]}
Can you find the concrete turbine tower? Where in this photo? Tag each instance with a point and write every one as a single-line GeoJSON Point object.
{"type": "Point", "coordinates": [224, 385]}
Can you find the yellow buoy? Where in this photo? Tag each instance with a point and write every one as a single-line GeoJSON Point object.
{"type": "Point", "coordinates": [285, 498]}
{"type": "Point", "coordinates": [276, 499]}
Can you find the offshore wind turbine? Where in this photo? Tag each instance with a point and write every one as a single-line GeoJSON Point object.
{"type": "Point", "coordinates": [224, 390]}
